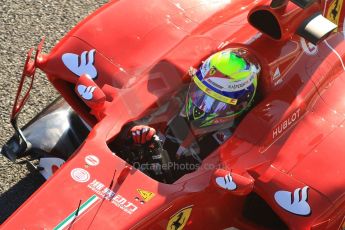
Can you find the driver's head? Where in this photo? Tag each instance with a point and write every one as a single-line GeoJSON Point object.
{"type": "Point", "coordinates": [222, 88]}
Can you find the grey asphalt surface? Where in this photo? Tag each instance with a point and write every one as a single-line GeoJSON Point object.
{"type": "Point", "coordinates": [22, 25]}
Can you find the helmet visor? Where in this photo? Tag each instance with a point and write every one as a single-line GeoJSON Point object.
{"type": "Point", "coordinates": [206, 103]}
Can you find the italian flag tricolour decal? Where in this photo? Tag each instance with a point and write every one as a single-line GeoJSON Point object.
{"type": "Point", "coordinates": [83, 207]}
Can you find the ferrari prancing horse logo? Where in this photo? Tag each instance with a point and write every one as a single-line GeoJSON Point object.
{"type": "Point", "coordinates": [334, 11]}
{"type": "Point", "coordinates": [179, 219]}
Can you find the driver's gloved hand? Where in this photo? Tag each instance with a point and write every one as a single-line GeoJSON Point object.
{"type": "Point", "coordinates": [142, 134]}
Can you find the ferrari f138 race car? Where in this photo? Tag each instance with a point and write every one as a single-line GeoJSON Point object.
{"type": "Point", "coordinates": [280, 166]}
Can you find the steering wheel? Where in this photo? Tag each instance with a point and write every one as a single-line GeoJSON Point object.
{"type": "Point", "coordinates": [150, 158]}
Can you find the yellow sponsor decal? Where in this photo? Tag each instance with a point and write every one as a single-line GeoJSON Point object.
{"type": "Point", "coordinates": [334, 11]}
{"type": "Point", "coordinates": [146, 195]}
{"type": "Point", "coordinates": [179, 219]}
{"type": "Point", "coordinates": [213, 94]}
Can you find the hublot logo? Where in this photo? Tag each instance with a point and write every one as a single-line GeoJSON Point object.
{"type": "Point", "coordinates": [286, 124]}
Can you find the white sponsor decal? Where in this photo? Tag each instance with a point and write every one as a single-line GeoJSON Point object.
{"type": "Point", "coordinates": [116, 199]}
{"type": "Point", "coordinates": [286, 124]}
{"type": "Point", "coordinates": [276, 74]}
{"type": "Point", "coordinates": [226, 182]}
{"type": "Point", "coordinates": [80, 175]}
{"type": "Point", "coordinates": [297, 205]}
{"type": "Point", "coordinates": [86, 92]}
{"type": "Point", "coordinates": [309, 48]}
{"type": "Point", "coordinates": [277, 77]}
{"type": "Point", "coordinates": [92, 160]}
{"type": "Point", "coordinates": [85, 66]}
{"type": "Point", "coordinates": [50, 165]}
{"type": "Point", "coordinates": [231, 86]}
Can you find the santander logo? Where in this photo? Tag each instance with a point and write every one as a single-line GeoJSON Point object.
{"type": "Point", "coordinates": [296, 204]}
{"type": "Point", "coordinates": [83, 64]}
{"type": "Point", "coordinates": [226, 182]}
{"type": "Point", "coordinates": [86, 92]}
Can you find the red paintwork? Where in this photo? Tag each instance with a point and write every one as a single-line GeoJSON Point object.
{"type": "Point", "coordinates": [293, 137]}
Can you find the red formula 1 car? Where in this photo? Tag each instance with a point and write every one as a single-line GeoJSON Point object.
{"type": "Point", "coordinates": [281, 167]}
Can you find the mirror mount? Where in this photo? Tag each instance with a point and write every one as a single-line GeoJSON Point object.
{"type": "Point", "coordinates": [20, 144]}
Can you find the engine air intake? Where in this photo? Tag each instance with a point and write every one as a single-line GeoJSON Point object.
{"type": "Point", "coordinates": [266, 22]}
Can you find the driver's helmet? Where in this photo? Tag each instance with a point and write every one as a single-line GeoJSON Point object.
{"type": "Point", "coordinates": [222, 88]}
